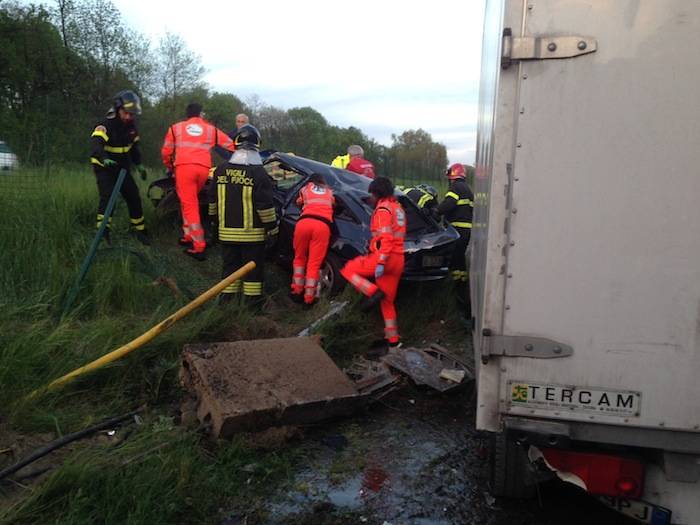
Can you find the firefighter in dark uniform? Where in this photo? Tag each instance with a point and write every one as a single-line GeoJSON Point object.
{"type": "Point", "coordinates": [114, 145]}
{"type": "Point", "coordinates": [424, 195]}
{"type": "Point", "coordinates": [241, 206]}
{"type": "Point", "coordinates": [457, 207]}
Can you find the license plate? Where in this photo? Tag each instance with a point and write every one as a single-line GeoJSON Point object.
{"type": "Point", "coordinates": [640, 511]}
{"type": "Point", "coordinates": [433, 260]}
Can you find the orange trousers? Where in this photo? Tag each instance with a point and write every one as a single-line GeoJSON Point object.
{"type": "Point", "coordinates": [189, 180]}
{"type": "Point", "coordinates": [356, 272]}
{"type": "Point", "coordinates": [311, 238]}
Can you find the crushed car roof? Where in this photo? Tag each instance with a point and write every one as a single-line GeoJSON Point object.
{"type": "Point", "coordinates": [338, 179]}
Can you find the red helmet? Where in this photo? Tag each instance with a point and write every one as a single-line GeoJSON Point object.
{"type": "Point", "coordinates": [456, 171]}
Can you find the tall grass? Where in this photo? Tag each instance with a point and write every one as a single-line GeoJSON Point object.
{"type": "Point", "coordinates": [42, 248]}
{"type": "Point", "coordinates": [155, 476]}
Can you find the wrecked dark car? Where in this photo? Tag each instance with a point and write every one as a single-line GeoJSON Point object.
{"type": "Point", "coordinates": [428, 245]}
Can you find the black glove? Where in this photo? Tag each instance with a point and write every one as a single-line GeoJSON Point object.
{"type": "Point", "coordinates": [271, 239]}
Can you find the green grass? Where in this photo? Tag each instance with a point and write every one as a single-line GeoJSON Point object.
{"type": "Point", "coordinates": [49, 227]}
{"type": "Point", "coordinates": [162, 473]}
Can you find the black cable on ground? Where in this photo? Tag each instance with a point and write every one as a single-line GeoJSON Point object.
{"type": "Point", "coordinates": [68, 438]}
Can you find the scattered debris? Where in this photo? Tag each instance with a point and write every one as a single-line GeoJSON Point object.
{"type": "Point", "coordinates": [249, 386]}
{"type": "Point", "coordinates": [370, 376]}
{"type": "Point", "coordinates": [426, 365]}
{"type": "Point", "coordinates": [333, 311]}
{"type": "Point", "coordinates": [456, 376]}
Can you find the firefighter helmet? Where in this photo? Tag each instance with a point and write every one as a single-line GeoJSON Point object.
{"type": "Point", "coordinates": [456, 171]}
{"type": "Point", "coordinates": [247, 137]}
{"type": "Point", "coordinates": [128, 101]}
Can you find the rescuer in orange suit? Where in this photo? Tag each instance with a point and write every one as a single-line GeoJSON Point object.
{"type": "Point", "coordinates": [312, 235]}
{"type": "Point", "coordinates": [186, 151]}
{"type": "Point", "coordinates": [385, 259]}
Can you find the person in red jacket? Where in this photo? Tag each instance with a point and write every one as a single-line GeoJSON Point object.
{"type": "Point", "coordinates": [311, 237]}
{"type": "Point", "coordinates": [385, 259]}
{"type": "Point", "coordinates": [186, 152]}
{"type": "Point", "coordinates": [358, 163]}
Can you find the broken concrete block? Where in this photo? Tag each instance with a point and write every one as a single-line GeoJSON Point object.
{"type": "Point", "coordinates": [246, 386]}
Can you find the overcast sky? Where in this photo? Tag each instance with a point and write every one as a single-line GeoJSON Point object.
{"type": "Point", "coordinates": [384, 66]}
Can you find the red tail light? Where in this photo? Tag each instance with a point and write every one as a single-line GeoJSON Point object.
{"type": "Point", "coordinates": [602, 474]}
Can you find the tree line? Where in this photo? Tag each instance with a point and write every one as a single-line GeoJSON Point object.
{"type": "Point", "coordinates": [60, 66]}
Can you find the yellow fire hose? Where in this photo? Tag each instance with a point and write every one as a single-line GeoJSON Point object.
{"type": "Point", "coordinates": [150, 334]}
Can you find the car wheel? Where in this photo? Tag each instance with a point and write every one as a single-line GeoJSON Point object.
{"type": "Point", "coordinates": [330, 281]}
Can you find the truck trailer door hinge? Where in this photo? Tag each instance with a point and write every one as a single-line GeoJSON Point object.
{"type": "Point", "coordinates": [543, 47]}
{"type": "Point", "coordinates": [521, 346]}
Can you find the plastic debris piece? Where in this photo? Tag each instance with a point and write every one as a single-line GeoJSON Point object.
{"type": "Point", "coordinates": [456, 376]}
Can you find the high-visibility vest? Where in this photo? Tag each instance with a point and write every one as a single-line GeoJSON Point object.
{"type": "Point", "coordinates": [190, 142]}
{"type": "Point", "coordinates": [341, 161]}
{"type": "Point", "coordinates": [388, 226]}
{"type": "Point", "coordinates": [317, 201]}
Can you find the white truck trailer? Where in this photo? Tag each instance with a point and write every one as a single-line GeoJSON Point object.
{"type": "Point", "coordinates": [585, 256]}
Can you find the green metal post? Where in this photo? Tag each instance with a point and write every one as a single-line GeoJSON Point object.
{"type": "Point", "coordinates": [95, 242]}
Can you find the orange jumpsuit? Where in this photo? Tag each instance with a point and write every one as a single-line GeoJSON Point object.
{"type": "Point", "coordinates": [388, 227]}
{"type": "Point", "coordinates": [186, 151]}
{"type": "Point", "coordinates": [311, 237]}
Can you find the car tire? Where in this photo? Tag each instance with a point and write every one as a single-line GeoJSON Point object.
{"type": "Point", "coordinates": [330, 281]}
{"type": "Point", "coordinates": [510, 473]}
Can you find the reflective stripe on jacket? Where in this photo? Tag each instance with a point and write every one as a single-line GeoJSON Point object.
{"type": "Point", "coordinates": [422, 198]}
{"type": "Point", "coordinates": [115, 140]}
{"type": "Point", "coordinates": [190, 142]}
{"type": "Point", "coordinates": [241, 197]}
{"type": "Point", "coordinates": [388, 226]}
{"type": "Point", "coordinates": [458, 204]}
{"type": "Point", "coordinates": [317, 201]}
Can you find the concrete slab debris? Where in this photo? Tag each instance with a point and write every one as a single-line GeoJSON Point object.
{"type": "Point", "coordinates": [245, 386]}
{"type": "Point", "coordinates": [426, 366]}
